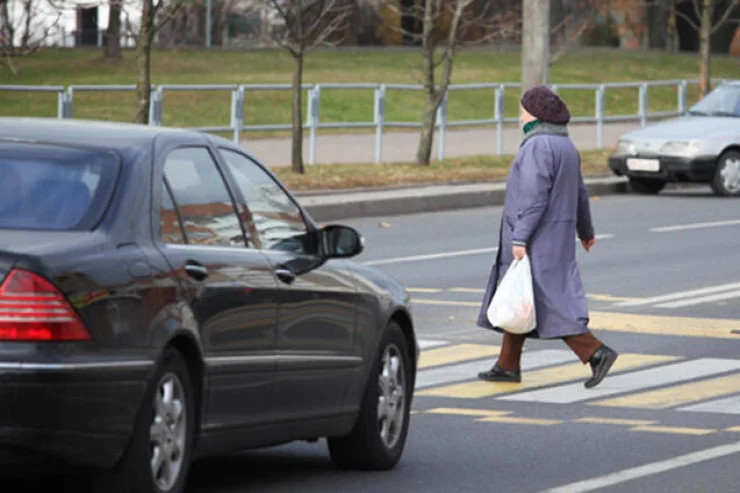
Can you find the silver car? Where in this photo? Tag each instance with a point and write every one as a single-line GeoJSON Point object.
{"type": "Point", "coordinates": [702, 147]}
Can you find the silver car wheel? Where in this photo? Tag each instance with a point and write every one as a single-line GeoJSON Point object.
{"type": "Point", "coordinates": [392, 396]}
{"type": "Point", "coordinates": [168, 432]}
{"type": "Point", "coordinates": [730, 173]}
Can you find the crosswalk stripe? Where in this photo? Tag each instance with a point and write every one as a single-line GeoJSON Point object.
{"type": "Point", "coordinates": [729, 405]}
{"type": "Point", "coordinates": [703, 299]}
{"type": "Point", "coordinates": [619, 384]}
{"type": "Point", "coordinates": [469, 370]}
{"type": "Point", "coordinates": [667, 326]}
{"type": "Point", "coordinates": [681, 295]}
{"type": "Point", "coordinates": [676, 395]}
{"type": "Point", "coordinates": [425, 344]}
{"type": "Point", "coordinates": [676, 430]}
{"type": "Point", "coordinates": [540, 378]}
{"type": "Point", "coordinates": [453, 354]}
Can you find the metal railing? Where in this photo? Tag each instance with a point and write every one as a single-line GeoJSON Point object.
{"type": "Point", "coordinates": [237, 126]}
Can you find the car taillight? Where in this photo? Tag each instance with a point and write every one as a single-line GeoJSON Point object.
{"type": "Point", "coordinates": [32, 309]}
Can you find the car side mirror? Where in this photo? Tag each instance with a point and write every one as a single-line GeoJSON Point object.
{"type": "Point", "coordinates": [342, 241]}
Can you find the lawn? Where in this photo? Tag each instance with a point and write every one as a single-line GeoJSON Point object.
{"type": "Point", "coordinates": [211, 108]}
{"type": "Point", "coordinates": [457, 170]}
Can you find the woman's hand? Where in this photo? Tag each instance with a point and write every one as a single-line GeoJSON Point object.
{"type": "Point", "coordinates": [587, 244]}
{"type": "Point", "coordinates": [519, 252]}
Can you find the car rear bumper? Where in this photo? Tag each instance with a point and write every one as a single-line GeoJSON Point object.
{"type": "Point", "coordinates": [699, 169]}
{"type": "Point", "coordinates": [62, 416]}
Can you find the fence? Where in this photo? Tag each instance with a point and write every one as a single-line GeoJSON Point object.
{"type": "Point", "coordinates": [379, 123]}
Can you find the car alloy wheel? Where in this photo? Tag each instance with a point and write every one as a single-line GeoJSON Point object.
{"type": "Point", "coordinates": [391, 396]}
{"type": "Point", "coordinates": [168, 432]}
{"type": "Point", "coordinates": [729, 173]}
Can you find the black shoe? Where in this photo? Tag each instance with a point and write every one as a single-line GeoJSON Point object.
{"type": "Point", "coordinates": [601, 362]}
{"type": "Point", "coordinates": [497, 374]}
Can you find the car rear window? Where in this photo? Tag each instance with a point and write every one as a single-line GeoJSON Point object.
{"type": "Point", "coordinates": [53, 187]}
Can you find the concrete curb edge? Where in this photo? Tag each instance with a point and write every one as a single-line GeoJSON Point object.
{"type": "Point", "coordinates": [347, 207]}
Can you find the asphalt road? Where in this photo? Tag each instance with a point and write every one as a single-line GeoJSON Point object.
{"type": "Point", "coordinates": [666, 420]}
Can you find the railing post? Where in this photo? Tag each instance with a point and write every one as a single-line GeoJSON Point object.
{"type": "Point", "coordinates": [237, 112]}
{"type": "Point", "coordinates": [69, 102]}
{"type": "Point", "coordinates": [442, 122]}
{"type": "Point", "coordinates": [314, 96]}
{"type": "Point", "coordinates": [499, 115]}
{"type": "Point", "coordinates": [155, 106]}
{"type": "Point", "coordinates": [682, 96]}
{"type": "Point", "coordinates": [379, 122]}
{"type": "Point", "coordinates": [600, 110]}
{"type": "Point", "coordinates": [61, 104]}
{"type": "Point", "coordinates": [643, 104]}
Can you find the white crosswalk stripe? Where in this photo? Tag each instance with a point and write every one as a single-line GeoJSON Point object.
{"type": "Point", "coordinates": [466, 371]}
{"type": "Point", "coordinates": [699, 385]}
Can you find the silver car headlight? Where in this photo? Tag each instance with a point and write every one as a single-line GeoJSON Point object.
{"type": "Point", "coordinates": [626, 147]}
{"type": "Point", "coordinates": [682, 148]}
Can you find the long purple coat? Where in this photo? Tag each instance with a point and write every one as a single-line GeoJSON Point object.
{"type": "Point", "coordinates": [546, 206]}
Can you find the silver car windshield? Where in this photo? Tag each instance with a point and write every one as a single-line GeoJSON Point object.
{"type": "Point", "coordinates": [722, 101]}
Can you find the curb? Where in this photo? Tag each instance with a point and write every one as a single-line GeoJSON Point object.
{"type": "Point", "coordinates": [334, 207]}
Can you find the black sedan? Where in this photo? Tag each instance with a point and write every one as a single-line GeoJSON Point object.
{"type": "Point", "coordinates": [163, 298]}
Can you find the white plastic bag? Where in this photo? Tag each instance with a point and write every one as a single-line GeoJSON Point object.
{"type": "Point", "coordinates": [512, 307]}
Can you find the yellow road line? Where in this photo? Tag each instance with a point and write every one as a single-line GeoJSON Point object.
{"type": "Point", "coordinates": [614, 421]}
{"type": "Point", "coordinates": [608, 297]}
{"type": "Point", "coordinates": [456, 353]}
{"type": "Point", "coordinates": [540, 378]}
{"type": "Point", "coordinates": [716, 328]}
{"type": "Point", "coordinates": [424, 290]}
{"type": "Point", "coordinates": [483, 413]}
{"type": "Point", "coordinates": [420, 301]}
{"type": "Point", "coordinates": [520, 421]}
{"type": "Point", "coordinates": [674, 429]}
{"type": "Point", "coordinates": [467, 290]}
{"type": "Point", "coordinates": [672, 326]}
{"type": "Point", "coordinates": [735, 429]}
{"type": "Point", "coordinates": [677, 394]}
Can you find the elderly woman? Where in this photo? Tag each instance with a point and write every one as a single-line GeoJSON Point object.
{"type": "Point", "coordinates": [546, 205]}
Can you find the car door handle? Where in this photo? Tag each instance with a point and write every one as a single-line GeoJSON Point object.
{"type": "Point", "coordinates": [196, 270]}
{"type": "Point", "coordinates": [285, 275]}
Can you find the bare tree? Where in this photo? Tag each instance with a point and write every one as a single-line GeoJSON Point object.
{"type": "Point", "coordinates": [25, 26]}
{"type": "Point", "coordinates": [708, 25]}
{"type": "Point", "coordinates": [536, 34]}
{"type": "Point", "coordinates": [153, 17]}
{"type": "Point", "coordinates": [300, 26]}
{"type": "Point", "coordinates": [446, 26]}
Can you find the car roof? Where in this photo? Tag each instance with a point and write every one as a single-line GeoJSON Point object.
{"type": "Point", "coordinates": [112, 135]}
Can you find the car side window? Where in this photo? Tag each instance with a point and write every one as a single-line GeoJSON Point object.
{"type": "Point", "coordinates": [170, 227]}
{"type": "Point", "coordinates": [273, 214]}
{"type": "Point", "coordinates": [198, 189]}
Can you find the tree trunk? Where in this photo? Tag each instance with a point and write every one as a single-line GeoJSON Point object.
{"type": "Point", "coordinates": [113, 34]}
{"type": "Point", "coordinates": [535, 43]}
{"type": "Point", "coordinates": [657, 25]}
{"type": "Point", "coordinates": [297, 151]}
{"type": "Point", "coordinates": [705, 48]}
{"type": "Point", "coordinates": [426, 138]}
{"type": "Point", "coordinates": [143, 64]}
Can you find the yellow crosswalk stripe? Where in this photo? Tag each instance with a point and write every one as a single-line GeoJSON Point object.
{"type": "Point", "coordinates": [668, 326]}
{"type": "Point", "coordinates": [614, 421]}
{"type": "Point", "coordinates": [456, 353]}
{"type": "Point", "coordinates": [513, 420]}
{"type": "Point", "coordinates": [540, 378]}
{"type": "Point", "coordinates": [735, 429]}
{"type": "Point", "coordinates": [674, 429]}
{"type": "Point", "coordinates": [481, 413]}
{"type": "Point", "coordinates": [676, 395]}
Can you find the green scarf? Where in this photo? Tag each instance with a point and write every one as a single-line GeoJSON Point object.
{"type": "Point", "coordinates": [528, 127]}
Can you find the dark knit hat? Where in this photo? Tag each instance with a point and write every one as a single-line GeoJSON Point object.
{"type": "Point", "coordinates": [545, 105]}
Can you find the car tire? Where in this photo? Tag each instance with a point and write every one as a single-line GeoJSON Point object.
{"type": "Point", "coordinates": [728, 162]}
{"type": "Point", "coordinates": [646, 186]}
{"type": "Point", "coordinates": [366, 448]}
{"type": "Point", "coordinates": [135, 472]}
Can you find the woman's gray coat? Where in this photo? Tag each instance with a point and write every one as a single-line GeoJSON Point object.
{"type": "Point", "coordinates": [546, 206]}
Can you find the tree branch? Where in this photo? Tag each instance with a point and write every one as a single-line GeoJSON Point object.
{"type": "Point", "coordinates": [726, 16]}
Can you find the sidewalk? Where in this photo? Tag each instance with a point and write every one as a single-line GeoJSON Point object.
{"type": "Point", "coordinates": [401, 146]}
